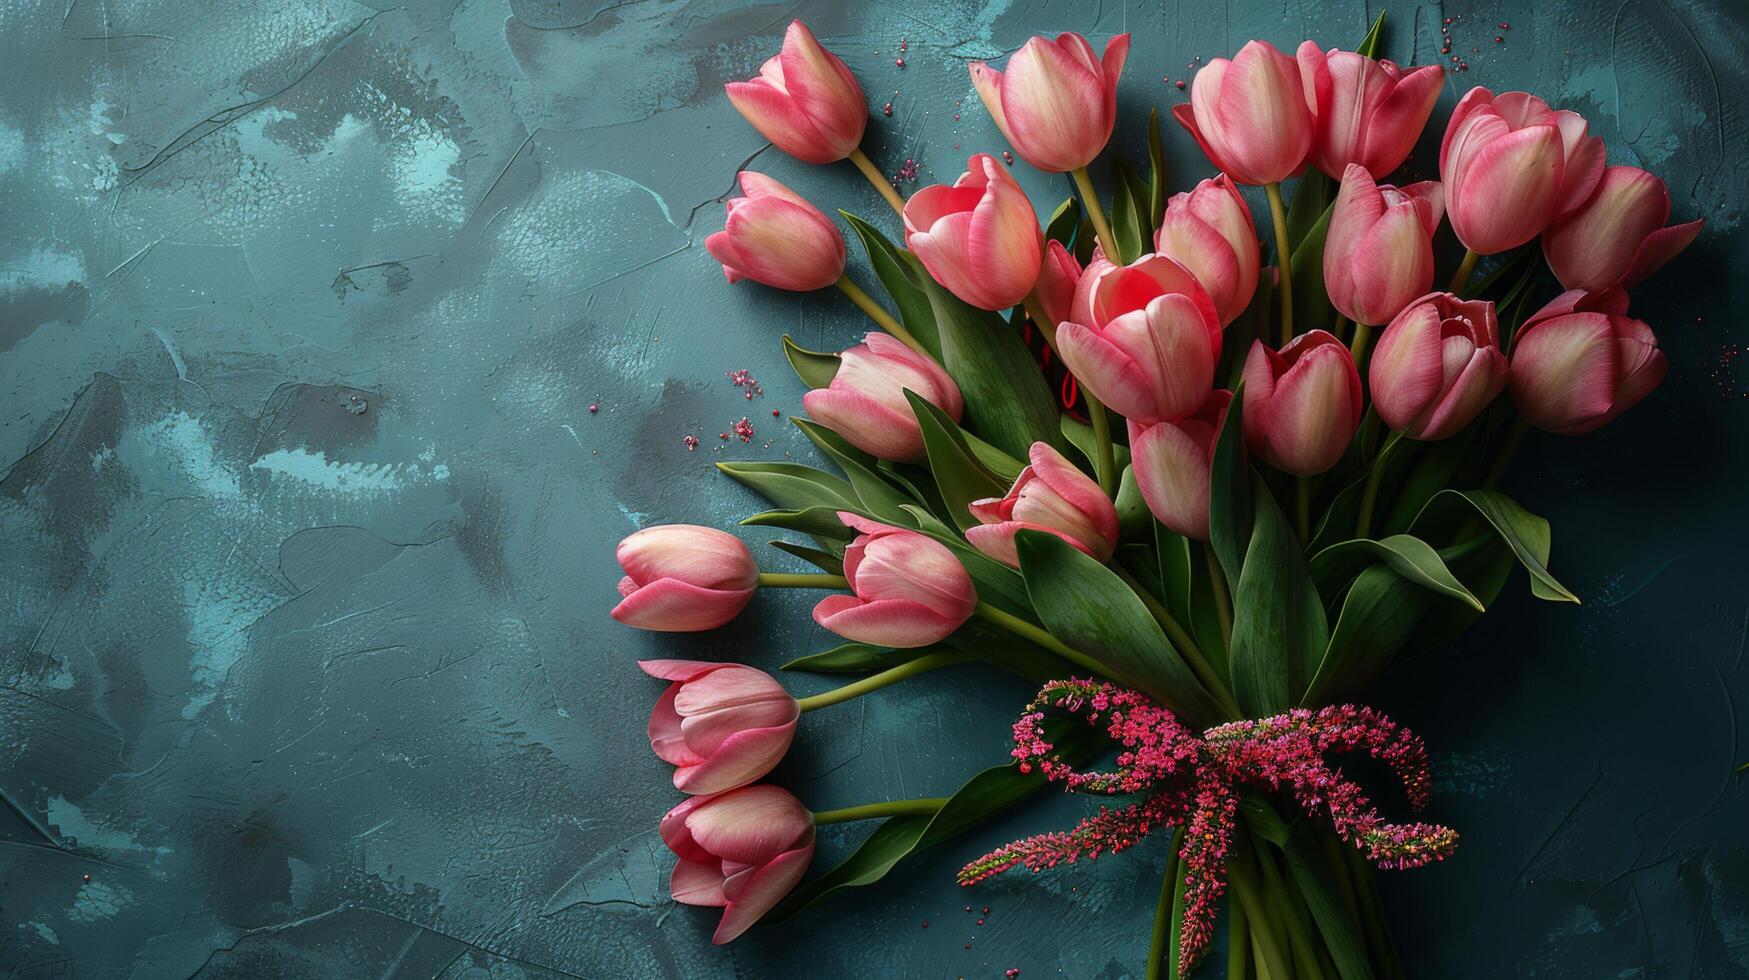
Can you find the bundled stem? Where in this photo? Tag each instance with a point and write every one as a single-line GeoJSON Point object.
{"type": "Point", "coordinates": [890, 808]}
{"type": "Point", "coordinates": [1187, 647]}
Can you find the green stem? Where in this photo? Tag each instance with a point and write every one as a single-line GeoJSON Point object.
{"type": "Point", "coordinates": [1339, 866]}
{"type": "Point", "coordinates": [1238, 943]}
{"type": "Point", "coordinates": [1271, 961]}
{"type": "Point", "coordinates": [1218, 585]}
{"type": "Point", "coordinates": [1106, 464]}
{"type": "Point", "coordinates": [1378, 930]}
{"type": "Point", "coordinates": [1514, 439]}
{"type": "Point", "coordinates": [1289, 912]}
{"type": "Point", "coordinates": [786, 580]}
{"type": "Point", "coordinates": [1340, 325]}
{"type": "Point", "coordinates": [1284, 260]}
{"type": "Point", "coordinates": [875, 682]}
{"type": "Point", "coordinates": [1027, 631]}
{"type": "Point", "coordinates": [1181, 639]}
{"type": "Point", "coordinates": [1303, 507]}
{"type": "Point", "coordinates": [1362, 338]}
{"type": "Point", "coordinates": [890, 808]}
{"type": "Point", "coordinates": [879, 315]}
{"type": "Point", "coordinates": [1370, 496]}
{"type": "Point", "coordinates": [1462, 278]}
{"type": "Point", "coordinates": [879, 180]}
{"type": "Point", "coordinates": [1163, 914]}
{"type": "Point", "coordinates": [1096, 214]}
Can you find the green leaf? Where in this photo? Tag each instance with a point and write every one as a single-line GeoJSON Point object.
{"type": "Point", "coordinates": [1312, 879]}
{"type": "Point", "coordinates": [1230, 508]}
{"type": "Point", "coordinates": [1378, 617]}
{"type": "Point", "coordinates": [1133, 516]}
{"type": "Point", "coordinates": [1338, 520]}
{"type": "Point", "coordinates": [814, 368]}
{"type": "Point", "coordinates": [1525, 533]}
{"type": "Point", "coordinates": [1080, 435]}
{"type": "Point", "coordinates": [855, 658]}
{"type": "Point", "coordinates": [1156, 174]}
{"type": "Point", "coordinates": [898, 274]}
{"type": "Point", "coordinates": [1127, 217]}
{"type": "Point", "coordinates": [825, 561]}
{"type": "Point", "coordinates": [1008, 401]}
{"type": "Point", "coordinates": [821, 522]}
{"type": "Point", "coordinates": [1312, 307]}
{"type": "Point", "coordinates": [878, 497]}
{"type": "Point", "coordinates": [1407, 555]}
{"type": "Point", "coordinates": [959, 475]}
{"type": "Point", "coordinates": [1279, 630]}
{"type": "Point", "coordinates": [1064, 221]}
{"type": "Point", "coordinates": [1189, 595]}
{"type": "Point", "coordinates": [1437, 465]}
{"type": "Point", "coordinates": [1313, 197]}
{"type": "Point", "coordinates": [792, 485]}
{"type": "Point", "coordinates": [1369, 45]}
{"type": "Point", "coordinates": [1483, 564]}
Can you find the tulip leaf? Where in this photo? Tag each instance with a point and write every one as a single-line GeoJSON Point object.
{"type": "Point", "coordinates": [1189, 594]}
{"type": "Point", "coordinates": [1064, 222]}
{"type": "Point", "coordinates": [1313, 880]}
{"type": "Point", "coordinates": [1008, 401]}
{"type": "Point", "coordinates": [1313, 198]}
{"type": "Point", "coordinates": [879, 497]}
{"type": "Point", "coordinates": [1436, 468]}
{"type": "Point", "coordinates": [1080, 435]}
{"type": "Point", "coordinates": [1483, 563]}
{"type": "Point", "coordinates": [1133, 516]}
{"type": "Point", "coordinates": [1312, 309]}
{"type": "Point", "coordinates": [825, 561]}
{"type": "Point", "coordinates": [1369, 45]}
{"type": "Point", "coordinates": [898, 272]}
{"type": "Point", "coordinates": [821, 522]}
{"type": "Point", "coordinates": [1407, 555]}
{"type": "Point", "coordinates": [1279, 629]}
{"type": "Point", "coordinates": [814, 368]}
{"type": "Point", "coordinates": [995, 582]}
{"type": "Point", "coordinates": [792, 485]}
{"type": "Point", "coordinates": [855, 658]}
{"type": "Point", "coordinates": [1156, 174]}
{"type": "Point", "coordinates": [1339, 519]}
{"type": "Point", "coordinates": [1525, 533]}
{"type": "Point", "coordinates": [1378, 616]}
{"type": "Point", "coordinates": [1127, 220]}
{"type": "Point", "coordinates": [959, 475]}
{"type": "Point", "coordinates": [1230, 508]}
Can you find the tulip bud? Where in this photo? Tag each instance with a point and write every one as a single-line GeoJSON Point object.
{"type": "Point", "coordinates": [1249, 114]}
{"type": "Point", "coordinates": [721, 725]}
{"type": "Point", "coordinates": [1437, 366]}
{"type": "Point", "coordinates": [774, 236]}
{"type": "Point", "coordinates": [1057, 102]}
{"type": "Point", "coordinates": [1049, 495]}
{"type": "Point", "coordinates": [1171, 461]}
{"type": "Point", "coordinates": [1378, 254]}
{"type": "Point", "coordinates": [1364, 112]}
{"type": "Point", "coordinates": [683, 578]}
{"type": "Point", "coordinates": [1581, 361]}
{"type": "Point", "coordinates": [979, 238]}
{"type": "Point", "coordinates": [1057, 278]}
{"type": "Point", "coordinates": [1208, 230]}
{"type": "Point", "coordinates": [804, 100]}
{"type": "Point", "coordinates": [1302, 403]}
{"type": "Point", "coordinates": [1144, 338]}
{"type": "Point", "coordinates": [866, 401]}
{"type": "Point", "coordinates": [1617, 237]}
{"type": "Point", "coordinates": [741, 851]}
{"type": "Point", "coordinates": [910, 590]}
{"type": "Point", "coordinates": [1511, 165]}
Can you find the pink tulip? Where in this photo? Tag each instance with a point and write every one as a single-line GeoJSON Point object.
{"type": "Point", "coordinates": [1172, 461]}
{"type": "Point", "coordinates": [866, 401]}
{"type": "Point", "coordinates": [804, 100]}
{"type": "Point", "coordinates": [741, 851]}
{"type": "Point", "coordinates": [1249, 114]}
{"type": "Point", "coordinates": [1378, 255]}
{"type": "Point", "coordinates": [910, 590]}
{"type": "Point", "coordinates": [1364, 112]}
{"type": "Point", "coordinates": [1437, 366]}
{"type": "Point", "coordinates": [721, 725]}
{"type": "Point", "coordinates": [683, 578]}
{"type": "Point", "coordinates": [1057, 102]}
{"type": "Point", "coordinates": [1144, 338]}
{"type": "Point", "coordinates": [1511, 165]}
{"type": "Point", "coordinates": [1208, 230]}
{"type": "Point", "coordinates": [1581, 361]}
{"type": "Point", "coordinates": [1049, 495]}
{"type": "Point", "coordinates": [979, 238]}
{"type": "Point", "coordinates": [1617, 238]}
{"type": "Point", "coordinates": [774, 236]}
{"type": "Point", "coordinates": [1302, 403]}
{"type": "Point", "coordinates": [1057, 278]}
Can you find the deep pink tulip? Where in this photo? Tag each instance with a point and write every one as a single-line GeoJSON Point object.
{"type": "Point", "coordinates": [1379, 251]}
{"type": "Point", "coordinates": [1581, 361]}
{"type": "Point", "coordinates": [1144, 338]}
{"type": "Point", "coordinates": [1208, 230]}
{"type": "Point", "coordinates": [1302, 403]}
{"type": "Point", "coordinates": [1617, 237]}
{"type": "Point", "coordinates": [1249, 114]}
{"type": "Point", "coordinates": [1057, 102]}
{"type": "Point", "coordinates": [1172, 461]}
{"type": "Point", "coordinates": [1437, 366]}
{"type": "Point", "coordinates": [910, 590]}
{"type": "Point", "coordinates": [741, 851]}
{"type": "Point", "coordinates": [683, 578]}
{"type": "Point", "coordinates": [1049, 495]}
{"type": "Point", "coordinates": [1364, 112]}
{"type": "Point", "coordinates": [1058, 276]}
{"type": "Point", "coordinates": [1511, 165]}
{"type": "Point", "coordinates": [979, 238]}
{"type": "Point", "coordinates": [774, 236]}
{"type": "Point", "coordinates": [866, 401]}
{"type": "Point", "coordinates": [804, 100]}
{"type": "Point", "coordinates": [720, 725]}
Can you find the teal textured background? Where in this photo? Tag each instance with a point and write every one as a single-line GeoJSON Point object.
{"type": "Point", "coordinates": [306, 520]}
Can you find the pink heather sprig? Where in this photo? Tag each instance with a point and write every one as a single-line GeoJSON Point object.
{"type": "Point", "coordinates": [1156, 745]}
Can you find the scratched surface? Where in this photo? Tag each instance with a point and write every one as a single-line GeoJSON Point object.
{"type": "Point", "coordinates": [339, 343]}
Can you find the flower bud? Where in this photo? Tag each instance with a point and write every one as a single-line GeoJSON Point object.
{"type": "Point", "coordinates": [683, 578]}
{"type": "Point", "coordinates": [1049, 495]}
{"type": "Point", "coordinates": [1057, 102]}
{"type": "Point", "coordinates": [910, 590]}
{"type": "Point", "coordinates": [1208, 230]}
{"type": "Point", "coordinates": [774, 236]}
{"type": "Point", "coordinates": [1364, 112]}
{"type": "Point", "coordinates": [1302, 403]}
{"type": "Point", "coordinates": [1511, 165]}
{"type": "Point", "coordinates": [1581, 361]}
{"type": "Point", "coordinates": [1437, 366]}
{"type": "Point", "coordinates": [1171, 461]}
{"type": "Point", "coordinates": [741, 851]}
{"type": "Point", "coordinates": [721, 725]}
{"type": "Point", "coordinates": [804, 100]}
{"type": "Point", "coordinates": [979, 238]}
{"type": "Point", "coordinates": [1249, 114]}
{"type": "Point", "coordinates": [866, 403]}
{"type": "Point", "coordinates": [1378, 254]}
{"type": "Point", "coordinates": [1617, 237]}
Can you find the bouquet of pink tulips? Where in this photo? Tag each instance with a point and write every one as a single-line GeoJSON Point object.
{"type": "Point", "coordinates": [1271, 475]}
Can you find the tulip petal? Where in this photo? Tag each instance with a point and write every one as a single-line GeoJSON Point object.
{"type": "Point", "coordinates": [1392, 265]}
{"type": "Point", "coordinates": [1658, 248]}
{"type": "Point", "coordinates": [1047, 93]}
{"type": "Point", "coordinates": [1406, 374]}
{"type": "Point", "coordinates": [997, 541]}
{"type": "Point", "coordinates": [738, 760]}
{"type": "Point", "coordinates": [1172, 473]}
{"type": "Point", "coordinates": [1564, 371]}
{"type": "Point", "coordinates": [823, 88]}
{"type": "Point", "coordinates": [676, 670]}
{"type": "Point", "coordinates": [1199, 247]}
{"type": "Point", "coordinates": [865, 423]}
{"type": "Point", "coordinates": [697, 883]}
{"type": "Point", "coordinates": [1107, 370]}
{"type": "Point", "coordinates": [1510, 189]}
{"type": "Point", "coordinates": [666, 739]}
{"type": "Point", "coordinates": [899, 623]}
{"type": "Point", "coordinates": [672, 606]}
{"type": "Point", "coordinates": [672, 830]}
{"type": "Point", "coordinates": [751, 825]}
{"type": "Point", "coordinates": [1077, 489]}
{"type": "Point", "coordinates": [1477, 384]}
{"type": "Point", "coordinates": [759, 893]}
{"type": "Point", "coordinates": [988, 82]}
{"type": "Point", "coordinates": [780, 120]}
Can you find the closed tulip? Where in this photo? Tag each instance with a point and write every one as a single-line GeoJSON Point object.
{"type": "Point", "coordinates": [1208, 230]}
{"type": "Point", "coordinates": [910, 590]}
{"type": "Point", "coordinates": [1364, 112]}
{"type": "Point", "coordinates": [1511, 165]}
{"type": "Point", "coordinates": [1302, 403]}
{"type": "Point", "coordinates": [1617, 237]}
{"type": "Point", "coordinates": [804, 100]}
{"type": "Point", "coordinates": [1058, 276]}
{"type": "Point", "coordinates": [1171, 461]}
{"type": "Point", "coordinates": [741, 851]}
{"type": "Point", "coordinates": [720, 725]}
{"type": "Point", "coordinates": [1249, 114]}
{"type": "Point", "coordinates": [979, 238]}
{"type": "Point", "coordinates": [1378, 254]}
{"type": "Point", "coordinates": [1581, 361]}
{"type": "Point", "coordinates": [683, 578]}
{"type": "Point", "coordinates": [1057, 102]}
{"type": "Point", "coordinates": [866, 401]}
{"type": "Point", "coordinates": [774, 236]}
{"type": "Point", "coordinates": [1437, 366]}
{"type": "Point", "coordinates": [1144, 338]}
{"type": "Point", "coordinates": [1049, 495]}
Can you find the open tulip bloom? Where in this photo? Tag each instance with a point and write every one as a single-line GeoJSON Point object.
{"type": "Point", "coordinates": [1222, 540]}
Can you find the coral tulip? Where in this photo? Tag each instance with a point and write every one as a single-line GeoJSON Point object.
{"type": "Point", "coordinates": [804, 100]}
{"type": "Point", "coordinates": [1208, 230]}
{"type": "Point", "coordinates": [1249, 114]}
{"type": "Point", "coordinates": [741, 851]}
{"type": "Point", "coordinates": [979, 238]}
{"type": "Point", "coordinates": [774, 236]}
{"type": "Point", "coordinates": [1364, 111]}
{"type": "Point", "coordinates": [683, 578]}
{"type": "Point", "coordinates": [1617, 237]}
{"type": "Point", "coordinates": [910, 590]}
{"type": "Point", "coordinates": [721, 725]}
{"type": "Point", "coordinates": [1437, 366]}
{"type": "Point", "coordinates": [1581, 361]}
{"type": "Point", "coordinates": [1511, 165]}
{"type": "Point", "coordinates": [1057, 102]}
{"type": "Point", "coordinates": [1171, 461]}
{"type": "Point", "coordinates": [866, 401]}
{"type": "Point", "coordinates": [1302, 403]}
{"type": "Point", "coordinates": [1058, 276]}
{"type": "Point", "coordinates": [1378, 255]}
{"type": "Point", "coordinates": [1049, 495]}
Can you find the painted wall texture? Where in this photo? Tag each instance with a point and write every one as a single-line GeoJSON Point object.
{"type": "Point", "coordinates": [339, 342]}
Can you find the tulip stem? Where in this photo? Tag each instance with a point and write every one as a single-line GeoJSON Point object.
{"type": "Point", "coordinates": [1514, 439]}
{"type": "Point", "coordinates": [1467, 266]}
{"type": "Point", "coordinates": [1238, 942]}
{"type": "Point", "coordinates": [1362, 339]}
{"type": "Point", "coordinates": [874, 682]}
{"type": "Point", "coordinates": [890, 808]}
{"type": "Point", "coordinates": [1181, 639]}
{"type": "Point", "coordinates": [1027, 631]}
{"type": "Point", "coordinates": [1218, 586]}
{"type": "Point", "coordinates": [1106, 464]}
{"type": "Point", "coordinates": [1370, 496]}
{"type": "Point", "coordinates": [1163, 913]}
{"type": "Point", "coordinates": [1303, 507]}
{"type": "Point", "coordinates": [786, 580]}
{"type": "Point", "coordinates": [1263, 921]}
{"type": "Point", "coordinates": [1284, 259]}
{"type": "Point", "coordinates": [879, 180]}
{"type": "Point", "coordinates": [879, 315]}
{"type": "Point", "coordinates": [1096, 214]}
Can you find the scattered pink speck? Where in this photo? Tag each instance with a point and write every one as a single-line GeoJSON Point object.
{"type": "Point", "coordinates": [904, 44]}
{"type": "Point", "coordinates": [593, 408]}
{"type": "Point", "coordinates": [887, 109]}
{"type": "Point", "coordinates": [908, 171]}
{"type": "Point", "coordinates": [691, 443]}
{"type": "Point", "coordinates": [744, 380]}
{"type": "Point", "coordinates": [1180, 84]}
{"type": "Point", "coordinates": [1011, 973]}
{"type": "Point", "coordinates": [899, 62]}
{"type": "Point", "coordinates": [1008, 157]}
{"type": "Point", "coordinates": [87, 877]}
{"type": "Point", "coordinates": [775, 413]}
{"type": "Point", "coordinates": [926, 924]}
{"type": "Point", "coordinates": [743, 429]}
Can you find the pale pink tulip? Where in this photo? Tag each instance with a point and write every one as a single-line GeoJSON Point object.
{"type": "Point", "coordinates": [1437, 366]}
{"type": "Point", "coordinates": [1581, 361]}
{"type": "Point", "coordinates": [1208, 230]}
{"type": "Point", "coordinates": [1057, 102]}
{"type": "Point", "coordinates": [1364, 111]}
{"type": "Point", "coordinates": [910, 589]}
{"type": "Point", "coordinates": [866, 401]}
{"type": "Point", "coordinates": [979, 238]}
{"type": "Point", "coordinates": [774, 236]}
{"type": "Point", "coordinates": [1057, 278]}
{"type": "Point", "coordinates": [741, 851]}
{"type": "Point", "coordinates": [1049, 495]}
{"type": "Point", "coordinates": [1249, 114]}
{"type": "Point", "coordinates": [1511, 165]}
{"type": "Point", "coordinates": [804, 100]}
{"type": "Point", "coordinates": [1302, 403]}
{"type": "Point", "coordinates": [1171, 461]}
{"type": "Point", "coordinates": [1378, 255]}
{"type": "Point", "coordinates": [1617, 237]}
{"type": "Point", "coordinates": [683, 578]}
{"type": "Point", "coordinates": [720, 725]}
